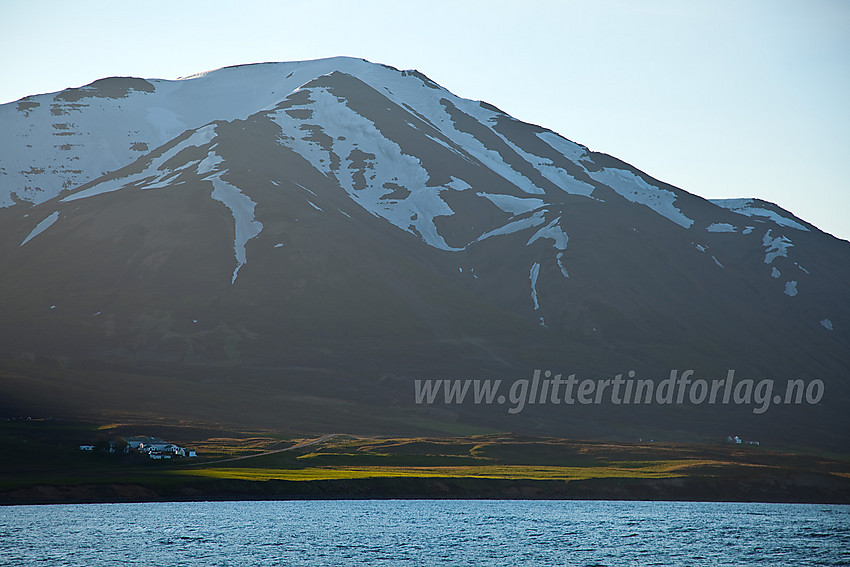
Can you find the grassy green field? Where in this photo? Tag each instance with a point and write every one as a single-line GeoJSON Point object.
{"type": "Point", "coordinates": [660, 469]}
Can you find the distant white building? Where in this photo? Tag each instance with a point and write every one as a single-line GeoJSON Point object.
{"type": "Point", "coordinates": [157, 447]}
{"type": "Point", "coordinates": [136, 443]}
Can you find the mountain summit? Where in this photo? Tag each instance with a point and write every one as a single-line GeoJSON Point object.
{"type": "Point", "coordinates": [332, 230]}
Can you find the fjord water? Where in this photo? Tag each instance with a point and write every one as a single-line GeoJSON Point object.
{"type": "Point", "coordinates": [434, 532]}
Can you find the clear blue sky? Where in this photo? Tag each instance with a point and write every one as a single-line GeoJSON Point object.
{"type": "Point", "coordinates": [728, 98]}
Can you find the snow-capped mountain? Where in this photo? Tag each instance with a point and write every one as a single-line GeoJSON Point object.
{"type": "Point", "coordinates": [339, 214]}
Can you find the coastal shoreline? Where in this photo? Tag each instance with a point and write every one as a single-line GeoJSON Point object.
{"type": "Point", "coordinates": [814, 489]}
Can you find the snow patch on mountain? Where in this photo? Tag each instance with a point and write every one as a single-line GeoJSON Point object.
{"type": "Point", "coordinates": [42, 226]}
{"type": "Point", "coordinates": [721, 227]}
{"type": "Point", "coordinates": [513, 205]}
{"type": "Point", "coordinates": [241, 207]}
{"type": "Point", "coordinates": [211, 162]}
{"type": "Point", "coordinates": [791, 288]}
{"type": "Point", "coordinates": [775, 247]}
{"type": "Point", "coordinates": [517, 225]}
{"type": "Point", "coordinates": [827, 324]}
{"type": "Point", "coordinates": [532, 276]}
{"type": "Point", "coordinates": [559, 258]}
{"type": "Point", "coordinates": [310, 191]}
{"type": "Point", "coordinates": [749, 208]}
{"type": "Point", "coordinates": [636, 190]}
{"type": "Point", "coordinates": [774, 273]}
{"type": "Point", "coordinates": [458, 184]}
{"type": "Point", "coordinates": [554, 232]}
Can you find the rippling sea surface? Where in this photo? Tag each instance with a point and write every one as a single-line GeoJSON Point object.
{"type": "Point", "coordinates": [430, 532]}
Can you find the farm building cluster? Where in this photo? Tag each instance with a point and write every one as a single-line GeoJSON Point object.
{"type": "Point", "coordinates": [153, 447]}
